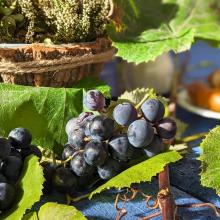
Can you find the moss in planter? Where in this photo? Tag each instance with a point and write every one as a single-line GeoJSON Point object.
{"type": "Point", "coordinates": [60, 20]}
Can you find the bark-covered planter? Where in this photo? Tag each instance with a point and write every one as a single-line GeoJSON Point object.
{"type": "Point", "coordinates": [53, 65]}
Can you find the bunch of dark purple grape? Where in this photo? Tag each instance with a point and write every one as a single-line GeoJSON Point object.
{"type": "Point", "coordinates": [104, 146]}
{"type": "Point", "coordinates": [13, 151]}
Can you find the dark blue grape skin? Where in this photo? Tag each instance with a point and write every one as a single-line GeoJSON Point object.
{"type": "Point", "coordinates": [120, 148]}
{"type": "Point", "coordinates": [94, 100]}
{"type": "Point", "coordinates": [71, 126]}
{"type": "Point", "coordinates": [64, 180]}
{"type": "Point", "coordinates": [49, 170]}
{"type": "Point", "coordinates": [20, 138]}
{"type": "Point", "coordinates": [79, 166]}
{"type": "Point", "coordinates": [140, 133]}
{"type": "Point", "coordinates": [166, 128]}
{"type": "Point", "coordinates": [68, 151]}
{"type": "Point", "coordinates": [5, 148]}
{"type": "Point", "coordinates": [77, 138]}
{"type": "Point", "coordinates": [7, 196]}
{"type": "Point", "coordinates": [83, 117]}
{"type": "Point", "coordinates": [86, 125]}
{"type": "Point", "coordinates": [25, 152]}
{"type": "Point", "coordinates": [124, 114]}
{"type": "Point", "coordinates": [80, 122]}
{"type": "Point", "coordinates": [11, 168]}
{"type": "Point", "coordinates": [109, 169]}
{"type": "Point", "coordinates": [101, 128]}
{"type": "Point", "coordinates": [36, 151]}
{"type": "Point", "coordinates": [95, 153]}
{"type": "Point", "coordinates": [31, 150]}
{"type": "Point", "coordinates": [153, 110]}
{"type": "Point", "coordinates": [155, 147]}
{"type": "Point", "coordinates": [15, 152]}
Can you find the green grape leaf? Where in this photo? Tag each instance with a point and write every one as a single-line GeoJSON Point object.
{"type": "Point", "coordinates": [55, 211]}
{"type": "Point", "coordinates": [210, 160]}
{"type": "Point", "coordinates": [142, 30]}
{"type": "Point", "coordinates": [31, 184]}
{"type": "Point", "coordinates": [141, 172]}
{"type": "Point", "coordinates": [30, 216]}
{"type": "Point", "coordinates": [137, 95]}
{"type": "Point", "coordinates": [44, 111]}
{"type": "Point", "coordinates": [181, 127]}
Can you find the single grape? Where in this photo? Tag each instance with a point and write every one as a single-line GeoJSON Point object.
{"type": "Point", "coordinates": [3, 179]}
{"type": "Point", "coordinates": [5, 148]}
{"type": "Point", "coordinates": [32, 149]}
{"type": "Point", "coordinates": [75, 124]}
{"type": "Point", "coordinates": [71, 126]}
{"type": "Point", "coordinates": [25, 152]}
{"type": "Point", "coordinates": [138, 154]}
{"type": "Point", "coordinates": [94, 100]}
{"type": "Point", "coordinates": [20, 138]}
{"type": "Point", "coordinates": [15, 152]}
{"type": "Point", "coordinates": [86, 124]}
{"type": "Point", "coordinates": [7, 195]}
{"type": "Point", "coordinates": [68, 151]}
{"type": "Point", "coordinates": [87, 182]}
{"type": "Point", "coordinates": [101, 128]}
{"type": "Point", "coordinates": [166, 128]}
{"type": "Point", "coordinates": [140, 133]}
{"type": "Point", "coordinates": [95, 153]}
{"type": "Point", "coordinates": [49, 170]}
{"type": "Point", "coordinates": [153, 110]}
{"type": "Point", "coordinates": [120, 148]}
{"type": "Point", "coordinates": [83, 117]}
{"type": "Point", "coordinates": [11, 168]}
{"type": "Point", "coordinates": [77, 138]}
{"type": "Point", "coordinates": [64, 180]}
{"type": "Point", "coordinates": [79, 165]}
{"type": "Point", "coordinates": [155, 147]}
{"type": "Point", "coordinates": [109, 169]}
{"type": "Point", "coordinates": [125, 113]}
{"type": "Point", "coordinates": [36, 151]}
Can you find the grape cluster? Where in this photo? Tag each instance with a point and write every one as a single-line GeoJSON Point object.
{"type": "Point", "coordinates": [13, 151]}
{"type": "Point", "coordinates": [103, 146]}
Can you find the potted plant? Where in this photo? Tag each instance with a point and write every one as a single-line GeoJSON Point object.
{"type": "Point", "coordinates": [53, 43]}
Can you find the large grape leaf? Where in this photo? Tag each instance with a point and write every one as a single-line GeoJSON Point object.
{"type": "Point", "coordinates": [30, 216]}
{"type": "Point", "coordinates": [31, 185]}
{"type": "Point", "coordinates": [55, 211]}
{"type": "Point", "coordinates": [210, 175]}
{"type": "Point", "coordinates": [44, 111]}
{"type": "Point", "coordinates": [141, 172]}
{"type": "Point", "coordinates": [142, 30]}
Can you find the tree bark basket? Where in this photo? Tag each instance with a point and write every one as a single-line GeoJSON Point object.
{"type": "Point", "coordinates": [53, 65]}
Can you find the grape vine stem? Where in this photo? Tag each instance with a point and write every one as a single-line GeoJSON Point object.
{"type": "Point", "coordinates": [193, 137]}
{"type": "Point", "coordinates": [142, 101]}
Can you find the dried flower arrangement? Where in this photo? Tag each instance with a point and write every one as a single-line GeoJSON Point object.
{"type": "Point", "coordinates": [63, 21]}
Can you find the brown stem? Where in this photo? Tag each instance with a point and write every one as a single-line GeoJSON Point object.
{"type": "Point", "coordinates": [151, 216]}
{"type": "Point", "coordinates": [217, 212]}
{"type": "Point", "coordinates": [165, 197]}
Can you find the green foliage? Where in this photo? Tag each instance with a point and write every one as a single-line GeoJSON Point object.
{"type": "Point", "coordinates": [210, 176]}
{"type": "Point", "coordinates": [31, 184]}
{"type": "Point", "coordinates": [141, 172]}
{"type": "Point", "coordinates": [30, 216]}
{"type": "Point", "coordinates": [44, 111]}
{"type": "Point", "coordinates": [143, 30]}
{"type": "Point", "coordinates": [54, 211]}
